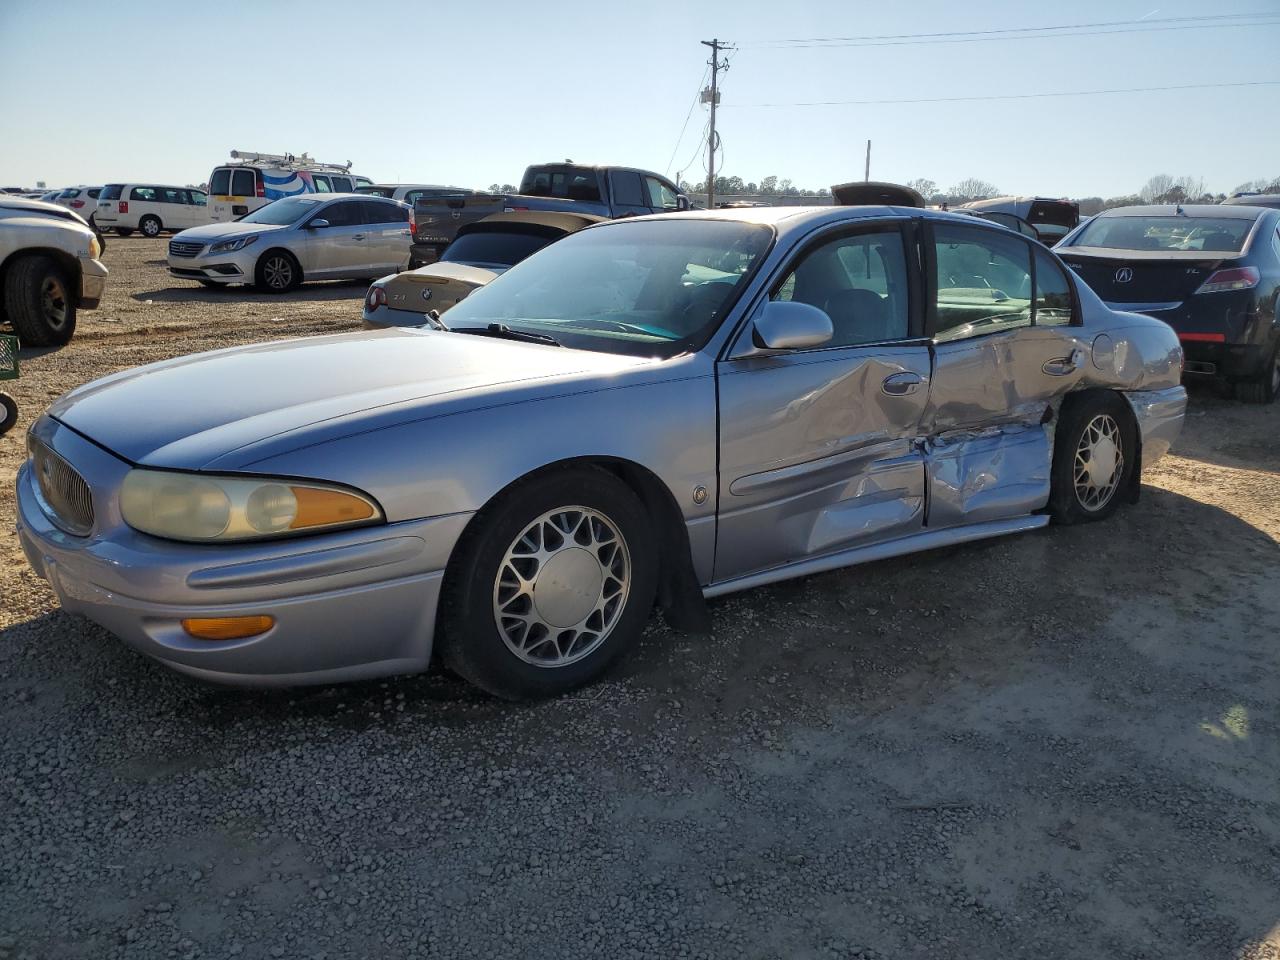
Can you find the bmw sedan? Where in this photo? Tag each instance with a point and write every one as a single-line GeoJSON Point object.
{"type": "Point", "coordinates": [654, 409]}
{"type": "Point", "coordinates": [340, 236]}
{"type": "Point", "coordinates": [1212, 272]}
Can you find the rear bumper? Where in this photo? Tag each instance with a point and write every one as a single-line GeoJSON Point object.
{"type": "Point", "coordinates": [1159, 414]}
{"type": "Point", "coordinates": [1222, 334]}
{"type": "Point", "coordinates": [1234, 361]}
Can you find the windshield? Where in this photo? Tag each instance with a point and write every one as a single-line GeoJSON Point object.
{"type": "Point", "coordinates": [645, 288]}
{"type": "Point", "coordinates": [493, 249]}
{"type": "Point", "coordinates": [279, 213]}
{"type": "Point", "coordinates": [1221, 235]}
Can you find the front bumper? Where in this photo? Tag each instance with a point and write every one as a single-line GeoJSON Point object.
{"type": "Point", "coordinates": [93, 283]}
{"type": "Point", "coordinates": [1159, 414]}
{"type": "Point", "coordinates": [348, 605]}
{"type": "Point", "coordinates": [235, 267]}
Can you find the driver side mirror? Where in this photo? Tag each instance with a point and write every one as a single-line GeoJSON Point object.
{"type": "Point", "coordinates": [318, 224]}
{"type": "Point", "coordinates": [788, 325]}
{"type": "Point", "coordinates": [682, 202]}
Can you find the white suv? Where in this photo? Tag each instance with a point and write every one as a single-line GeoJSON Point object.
{"type": "Point", "coordinates": [49, 268]}
{"type": "Point", "coordinates": [150, 208]}
{"type": "Point", "coordinates": [83, 200]}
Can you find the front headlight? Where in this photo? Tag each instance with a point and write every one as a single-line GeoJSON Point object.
{"type": "Point", "coordinates": [231, 246]}
{"type": "Point", "coordinates": [201, 508]}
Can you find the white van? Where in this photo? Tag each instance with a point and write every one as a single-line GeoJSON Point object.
{"type": "Point", "coordinates": [150, 208]}
{"type": "Point", "coordinates": [252, 180]}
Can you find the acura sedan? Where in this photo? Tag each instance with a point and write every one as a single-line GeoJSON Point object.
{"type": "Point", "coordinates": [1212, 272]}
{"type": "Point", "coordinates": [340, 236]}
{"type": "Point", "coordinates": [660, 408]}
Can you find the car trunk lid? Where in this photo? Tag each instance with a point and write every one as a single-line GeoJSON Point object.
{"type": "Point", "coordinates": [1140, 276]}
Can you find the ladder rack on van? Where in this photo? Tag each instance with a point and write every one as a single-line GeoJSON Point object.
{"type": "Point", "coordinates": [285, 161]}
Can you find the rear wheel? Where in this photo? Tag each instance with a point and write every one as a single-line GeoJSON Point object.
{"type": "Point", "coordinates": [277, 272]}
{"type": "Point", "coordinates": [1094, 456]}
{"type": "Point", "coordinates": [551, 584]}
{"type": "Point", "coordinates": [150, 226]}
{"type": "Point", "coordinates": [40, 301]}
{"type": "Point", "coordinates": [1265, 387]}
{"type": "Point", "coordinates": [8, 413]}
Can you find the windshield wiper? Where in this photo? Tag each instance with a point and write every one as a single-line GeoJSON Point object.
{"type": "Point", "coordinates": [506, 333]}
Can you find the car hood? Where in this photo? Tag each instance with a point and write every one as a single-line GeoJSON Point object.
{"type": "Point", "coordinates": [188, 412]}
{"type": "Point", "coordinates": [212, 232]}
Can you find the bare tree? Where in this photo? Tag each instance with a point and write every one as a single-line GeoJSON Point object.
{"type": "Point", "coordinates": [926, 188]}
{"type": "Point", "coordinates": [1156, 187]}
{"type": "Point", "coordinates": [971, 188]}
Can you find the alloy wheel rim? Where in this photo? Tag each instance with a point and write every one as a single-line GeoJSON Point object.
{"type": "Point", "coordinates": [278, 273]}
{"type": "Point", "coordinates": [53, 302]}
{"type": "Point", "coordinates": [150, 228]}
{"type": "Point", "coordinates": [1099, 463]}
{"type": "Point", "coordinates": [562, 586]}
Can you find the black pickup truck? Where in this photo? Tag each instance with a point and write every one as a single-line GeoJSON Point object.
{"type": "Point", "coordinates": [567, 187]}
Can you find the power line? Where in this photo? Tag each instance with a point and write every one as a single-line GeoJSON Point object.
{"type": "Point", "coordinates": [1010, 96]}
{"type": "Point", "coordinates": [685, 126]}
{"type": "Point", "coordinates": [1026, 33]}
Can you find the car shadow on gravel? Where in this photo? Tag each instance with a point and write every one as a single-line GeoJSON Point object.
{"type": "Point", "coordinates": [317, 291]}
{"type": "Point", "coordinates": [1227, 433]}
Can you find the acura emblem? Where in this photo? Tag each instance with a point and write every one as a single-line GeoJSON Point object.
{"type": "Point", "coordinates": [1124, 274]}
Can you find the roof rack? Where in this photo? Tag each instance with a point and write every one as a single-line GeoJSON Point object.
{"type": "Point", "coordinates": [286, 161]}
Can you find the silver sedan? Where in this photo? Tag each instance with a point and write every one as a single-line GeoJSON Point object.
{"type": "Point", "coordinates": [664, 408]}
{"type": "Point", "coordinates": [341, 236]}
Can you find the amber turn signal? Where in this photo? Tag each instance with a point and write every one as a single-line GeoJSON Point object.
{"type": "Point", "coordinates": [227, 628]}
{"type": "Point", "coordinates": [320, 507]}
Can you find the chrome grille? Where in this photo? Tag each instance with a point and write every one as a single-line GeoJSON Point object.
{"type": "Point", "coordinates": [63, 493]}
{"type": "Point", "coordinates": [183, 249]}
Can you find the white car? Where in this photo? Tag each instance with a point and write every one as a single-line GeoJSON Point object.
{"type": "Point", "coordinates": [50, 269]}
{"type": "Point", "coordinates": [150, 208]}
{"type": "Point", "coordinates": [83, 200]}
{"type": "Point", "coordinates": [343, 236]}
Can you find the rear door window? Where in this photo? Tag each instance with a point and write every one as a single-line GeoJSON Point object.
{"type": "Point", "coordinates": [321, 183]}
{"type": "Point", "coordinates": [983, 281]}
{"type": "Point", "coordinates": [242, 184]}
{"type": "Point", "coordinates": [375, 212]}
{"type": "Point", "coordinates": [347, 213]}
{"type": "Point", "coordinates": [171, 195]}
{"type": "Point", "coordinates": [220, 182]}
{"type": "Point", "coordinates": [342, 184]}
{"type": "Point", "coordinates": [627, 191]}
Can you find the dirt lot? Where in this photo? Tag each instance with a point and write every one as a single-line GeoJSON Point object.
{"type": "Point", "coordinates": [1062, 744]}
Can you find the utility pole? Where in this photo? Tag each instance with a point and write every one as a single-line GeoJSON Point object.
{"type": "Point", "coordinates": [713, 97]}
{"type": "Point", "coordinates": [866, 174]}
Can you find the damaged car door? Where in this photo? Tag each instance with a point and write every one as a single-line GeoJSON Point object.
{"type": "Point", "coordinates": [1001, 314]}
{"type": "Point", "coordinates": [818, 444]}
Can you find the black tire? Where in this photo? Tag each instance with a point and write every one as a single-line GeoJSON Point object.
{"type": "Point", "coordinates": [1266, 386]}
{"type": "Point", "coordinates": [102, 237]}
{"type": "Point", "coordinates": [1068, 502]}
{"type": "Point", "coordinates": [150, 226]}
{"type": "Point", "coordinates": [40, 301]}
{"type": "Point", "coordinates": [124, 231]}
{"type": "Point", "coordinates": [8, 413]}
{"type": "Point", "coordinates": [470, 640]}
{"type": "Point", "coordinates": [277, 271]}
{"type": "Point", "coordinates": [211, 284]}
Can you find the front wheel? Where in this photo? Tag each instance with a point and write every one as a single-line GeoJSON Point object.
{"type": "Point", "coordinates": [277, 272]}
{"type": "Point", "coordinates": [1094, 456]}
{"type": "Point", "coordinates": [40, 300]}
{"type": "Point", "coordinates": [551, 584]}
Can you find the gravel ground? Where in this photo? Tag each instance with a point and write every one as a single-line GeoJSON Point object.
{"type": "Point", "coordinates": [1062, 744]}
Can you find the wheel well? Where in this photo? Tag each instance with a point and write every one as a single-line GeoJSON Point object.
{"type": "Point", "coordinates": [68, 263]}
{"type": "Point", "coordinates": [285, 250]}
{"type": "Point", "coordinates": [679, 593]}
{"type": "Point", "coordinates": [1134, 484]}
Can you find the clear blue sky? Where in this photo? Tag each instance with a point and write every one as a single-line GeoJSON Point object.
{"type": "Point", "coordinates": [469, 93]}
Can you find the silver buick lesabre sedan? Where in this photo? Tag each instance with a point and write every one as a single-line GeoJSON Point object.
{"type": "Point", "coordinates": [660, 408]}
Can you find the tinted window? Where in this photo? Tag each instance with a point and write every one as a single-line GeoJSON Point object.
{"type": "Point", "coordinates": [434, 193]}
{"type": "Point", "coordinates": [281, 212]}
{"type": "Point", "coordinates": [1055, 212]}
{"type": "Point", "coordinates": [860, 282]}
{"type": "Point", "coordinates": [171, 195]}
{"type": "Point", "coordinates": [142, 193]}
{"type": "Point", "coordinates": [639, 287]}
{"type": "Point", "coordinates": [345, 213]}
{"type": "Point", "coordinates": [242, 184]}
{"type": "Point", "coordinates": [111, 191]}
{"type": "Point", "coordinates": [321, 183]}
{"type": "Point", "coordinates": [492, 248]}
{"type": "Point", "coordinates": [1053, 291]}
{"type": "Point", "coordinates": [661, 196]}
{"type": "Point", "coordinates": [1218, 234]}
{"type": "Point", "coordinates": [220, 182]}
{"type": "Point", "coordinates": [69, 193]}
{"type": "Point", "coordinates": [568, 183]}
{"type": "Point", "coordinates": [626, 189]}
{"type": "Point", "coordinates": [94, 193]}
{"type": "Point", "coordinates": [375, 212]}
{"type": "Point", "coordinates": [387, 192]}
{"type": "Point", "coordinates": [983, 281]}
{"type": "Point", "coordinates": [342, 184]}
{"type": "Point", "coordinates": [197, 197]}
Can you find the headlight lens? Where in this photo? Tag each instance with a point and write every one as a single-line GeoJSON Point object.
{"type": "Point", "coordinates": [231, 246]}
{"type": "Point", "coordinates": [200, 508]}
{"type": "Point", "coordinates": [95, 248]}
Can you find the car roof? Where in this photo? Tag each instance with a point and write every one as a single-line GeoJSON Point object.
{"type": "Point", "coordinates": [788, 220]}
{"type": "Point", "coordinates": [1253, 200]}
{"type": "Point", "coordinates": [1218, 210]}
{"type": "Point", "coordinates": [326, 197]}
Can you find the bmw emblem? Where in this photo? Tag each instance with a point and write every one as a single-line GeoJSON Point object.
{"type": "Point", "coordinates": [1124, 274]}
{"type": "Point", "coordinates": [426, 293]}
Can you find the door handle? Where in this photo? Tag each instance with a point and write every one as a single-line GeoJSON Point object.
{"type": "Point", "coordinates": [357, 236]}
{"type": "Point", "coordinates": [1062, 366]}
{"type": "Point", "coordinates": [901, 384]}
